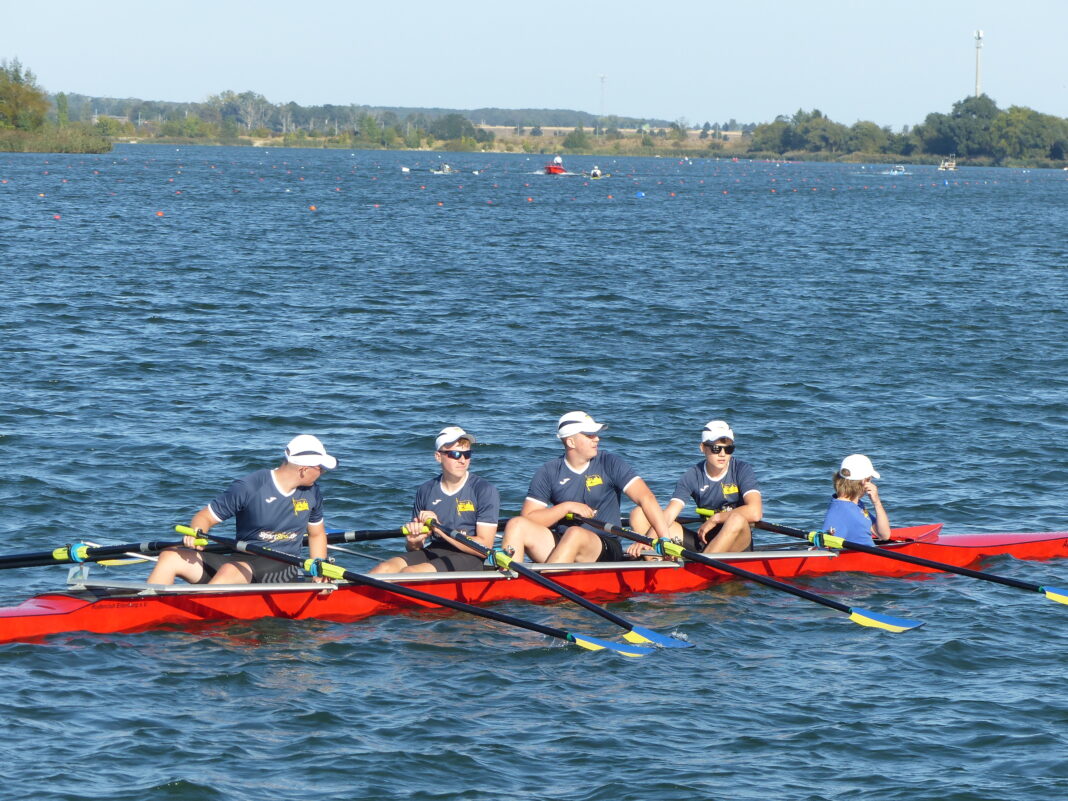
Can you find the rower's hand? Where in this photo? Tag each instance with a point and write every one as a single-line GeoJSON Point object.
{"type": "Point", "coordinates": [190, 541]}
{"type": "Point", "coordinates": [636, 550]}
{"type": "Point", "coordinates": [871, 490]}
{"type": "Point", "coordinates": [578, 508]}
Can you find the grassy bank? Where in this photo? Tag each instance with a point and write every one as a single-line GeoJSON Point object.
{"type": "Point", "coordinates": [69, 139]}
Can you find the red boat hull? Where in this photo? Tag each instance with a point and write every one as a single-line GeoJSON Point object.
{"type": "Point", "coordinates": [86, 611]}
{"type": "Point", "coordinates": [554, 169]}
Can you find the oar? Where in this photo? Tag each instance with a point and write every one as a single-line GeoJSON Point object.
{"type": "Point", "coordinates": [86, 552]}
{"type": "Point", "coordinates": [862, 617]}
{"type": "Point", "coordinates": [82, 552]}
{"type": "Point", "coordinates": [504, 561]}
{"type": "Point", "coordinates": [317, 567]}
{"type": "Point", "coordinates": [824, 539]}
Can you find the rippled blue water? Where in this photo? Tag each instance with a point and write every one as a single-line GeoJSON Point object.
{"type": "Point", "coordinates": [172, 316]}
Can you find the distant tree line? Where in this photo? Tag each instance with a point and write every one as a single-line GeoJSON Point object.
{"type": "Point", "coordinates": [24, 118]}
{"type": "Point", "coordinates": [975, 129]}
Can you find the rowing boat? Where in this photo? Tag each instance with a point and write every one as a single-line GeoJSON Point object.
{"type": "Point", "coordinates": [105, 605]}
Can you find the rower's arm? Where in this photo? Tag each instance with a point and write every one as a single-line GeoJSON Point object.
{"type": "Point", "coordinates": [317, 540]}
{"type": "Point", "coordinates": [639, 492]}
{"type": "Point", "coordinates": [203, 520]}
{"type": "Point", "coordinates": [752, 508]}
{"type": "Point", "coordinates": [673, 510]}
{"type": "Point", "coordinates": [549, 516]}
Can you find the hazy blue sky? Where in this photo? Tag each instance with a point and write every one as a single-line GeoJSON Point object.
{"type": "Point", "coordinates": [890, 62]}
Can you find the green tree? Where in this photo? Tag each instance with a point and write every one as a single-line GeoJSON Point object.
{"type": "Point", "coordinates": [867, 137]}
{"type": "Point", "coordinates": [23, 105]}
{"type": "Point", "coordinates": [578, 139]}
{"type": "Point", "coordinates": [452, 126]}
{"type": "Point", "coordinates": [62, 110]}
{"type": "Point", "coordinates": [771, 137]}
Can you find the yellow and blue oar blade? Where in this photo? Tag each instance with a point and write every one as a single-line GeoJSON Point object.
{"type": "Point", "coordinates": [595, 644]}
{"type": "Point", "coordinates": [640, 634]}
{"type": "Point", "coordinates": [878, 620]}
{"type": "Point", "coordinates": [1060, 596]}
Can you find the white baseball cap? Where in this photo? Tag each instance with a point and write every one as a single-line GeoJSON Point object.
{"type": "Point", "coordinates": [449, 435]}
{"type": "Point", "coordinates": [716, 429]}
{"type": "Point", "coordinates": [577, 423]}
{"type": "Point", "coordinates": [308, 451]}
{"type": "Point", "coordinates": [857, 467]}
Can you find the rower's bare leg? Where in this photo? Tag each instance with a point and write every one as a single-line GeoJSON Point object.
{"type": "Point", "coordinates": [425, 567]}
{"type": "Point", "coordinates": [233, 573]}
{"type": "Point", "coordinates": [577, 545]}
{"type": "Point", "coordinates": [734, 535]}
{"type": "Point", "coordinates": [177, 563]}
{"type": "Point", "coordinates": [523, 537]}
{"type": "Point", "coordinates": [394, 564]}
{"type": "Point", "coordinates": [639, 523]}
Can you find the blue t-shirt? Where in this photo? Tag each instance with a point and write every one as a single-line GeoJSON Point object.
{"type": "Point", "coordinates": [726, 492]}
{"type": "Point", "coordinates": [850, 521]}
{"type": "Point", "coordinates": [599, 486]}
{"type": "Point", "coordinates": [477, 501]}
{"type": "Point", "coordinates": [267, 516]}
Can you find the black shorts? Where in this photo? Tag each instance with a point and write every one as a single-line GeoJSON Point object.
{"type": "Point", "coordinates": [444, 558]}
{"type": "Point", "coordinates": [611, 548]}
{"type": "Point", "coordinates": [689, 541]}
{"type": "Point", "coordinates": [264, 569]}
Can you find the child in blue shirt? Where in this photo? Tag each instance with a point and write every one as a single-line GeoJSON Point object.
{"type": "Point", "coordinates": [846, 515]}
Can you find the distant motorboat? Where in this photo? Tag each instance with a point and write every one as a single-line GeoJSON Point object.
{"type": "Point", "coordinates": [555, 167]}
{"type": "Point", "coordinates": [948, 164]}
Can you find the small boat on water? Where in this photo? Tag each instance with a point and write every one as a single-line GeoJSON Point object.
{"type": "Point", "coordinates": [948, 164]}
{"type": "Point", "coordinates": [555, 167]}
{"type": "Point", "coordinates": [105, 605]}
{"type": "Point", "coordinates": [898, 169]}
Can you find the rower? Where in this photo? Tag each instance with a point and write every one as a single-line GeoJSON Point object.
{"type": "Point", "coordinates": [595, 172]}
{"type": "Point", "coordinates": [273, 508]}
{"type": "Point", "coordinates": [719, 482]}
{"type": "Point", "coordinates": [847, 517]}
{"type": "Point", "coordinates": [455, 501]}
{"type": "Point", "coordinates": [584, 481]}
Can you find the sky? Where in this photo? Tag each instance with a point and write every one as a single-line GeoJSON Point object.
{"type": "Point", "coordinates": [694, 60]}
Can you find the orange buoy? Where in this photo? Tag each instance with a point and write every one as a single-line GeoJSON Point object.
{"type": "Point", "coordinates": [312, 208]}
{"type": "Point", "coordinates": [159, 213]}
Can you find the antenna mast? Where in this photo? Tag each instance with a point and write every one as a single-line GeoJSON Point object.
{"type": "Point", "coordinates": [978, 72]}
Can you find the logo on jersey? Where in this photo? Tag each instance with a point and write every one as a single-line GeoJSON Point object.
{"type": "Point", "coordinates": [272, 499]}
{"type": "Point", "coordinates": [564, 481]}
{"type": "Point", "coordinates": [704, 488]}
{"type": "Point", "coordinates": [276, 536]}
{"type": "Point", "coordinates": [730, 489]}
{"type": "Point", "coordinates": [464, 506]}
{"type": "Point", "coordinates": [300, 505]}
{"type": "Point", "coordinates": [435, 502]}
{"type": "Point", "coordinates": [593, 481]}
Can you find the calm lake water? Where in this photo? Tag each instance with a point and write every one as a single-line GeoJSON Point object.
{"type": "Point", "coordinates": [172, 316]}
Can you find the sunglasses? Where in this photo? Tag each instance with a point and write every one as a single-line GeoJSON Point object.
{"type": "Point", "coordinates": [457, 454]}
{"type": "Point", "coordinates": [720, 448]}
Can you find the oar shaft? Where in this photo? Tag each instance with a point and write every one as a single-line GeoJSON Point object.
{"type": "Point", "coordinates": [725, 567]}
{"type": "Point", "coordinates": [548, 583]}
{"type": "Point", "coordinates": [887, 553]}
{"type": "Point", "coordinates": [396, 589]}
